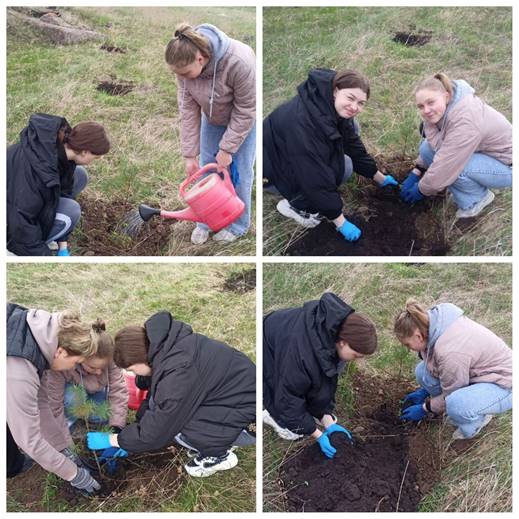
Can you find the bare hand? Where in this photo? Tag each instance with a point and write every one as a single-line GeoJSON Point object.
{"type": "Point", "coordinates": [191, 164]}
{"type": "Point", "coordinates": [223, 159]}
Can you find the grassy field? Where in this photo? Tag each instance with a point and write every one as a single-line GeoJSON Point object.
{"type": "Point", "coordinates": [479, 480]}
{"type": "Point", "coordinates": [209, 297]}
{"type": "Point", "coordinates": [145, 164]}
{"type": "Point", "coordinates": [472, 43]}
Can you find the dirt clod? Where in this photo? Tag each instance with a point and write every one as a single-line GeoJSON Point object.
{"type": "Point", "coordinates": [412, 39]}
{"type": "Point", "coordinates": [241, 281]}
{"type": "Point", "coordinates": [112, 48]}
{"type": "Point", "coordinates": [116, 88]}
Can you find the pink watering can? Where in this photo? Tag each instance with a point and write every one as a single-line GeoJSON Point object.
{"type": "Point", "coordinates": [135, 395]}
{"type": "Point", "coordinates": [212, 200]}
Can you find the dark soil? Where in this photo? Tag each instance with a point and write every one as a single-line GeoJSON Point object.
{"type": "Point", "coordinates": [411, 39]}
{"type": "Point", "coordinates": [389, 227]}
{"type": "Point", "coordinates": [112, 48]}
{"type": "Point", "coordinates": [116, 88]}
{"type": "Point", "coordinates": [100, 232]}
{"type": "Point", "coordinates": [241, 281]}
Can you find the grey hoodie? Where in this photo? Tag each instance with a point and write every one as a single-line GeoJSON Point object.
{"type": "Point", "coordinates": [468, 126]}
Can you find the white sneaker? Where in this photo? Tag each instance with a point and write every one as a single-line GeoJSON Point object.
{"type": "Point", "coordinates": [458, 435]}
{"type": "Point", "coordinates": [476, 208]}
{"type": "Point", "coordinates": [282, 432]}
{"type": "Point", "coordinates": [199, 467]}
{"type": "Point", "coordinates": [225, 235]}
{"type": "Point", "coordinates": [304, 219]}
{"type": "Point", "coordinates": [199, 236]}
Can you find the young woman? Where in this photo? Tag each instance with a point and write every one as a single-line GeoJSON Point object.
{"type": "Point", "coordinates": [467, 147]}
{"type": "Point", "coordinates": [304, 350]}
{"type": "Point", "coordinates": [38, 341]}
{"type": "Point", "coordinates": [216, 79]}
{"type": "Point", "coordinates": [465, 371]}
{"type": "Point", "coordinates": [44, 176]}
{"type": "Point", "coordinates": [202, 394]}
{"type": "Point", "coordinates": [311, 146]}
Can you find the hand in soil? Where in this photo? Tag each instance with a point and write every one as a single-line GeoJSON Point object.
{"type": "Point", "coordinates": [336, 428]}
{"type": "Point", "coordinates": [350, 231]}
{"type": "Point", "coordinates": [85, 482]}
{"type": "Point", "coordinates": [416, 397]}
{"type": "Point", "coordinates": [389, 181]}
{"type": "Point", "coordinates": [411, 195]}
{"type": "Point", "coordinates": [326, 447]}
{"type": "Point", "coordinates": [410, 181]}
{"type": "Point", "coordinates": [414, 413]}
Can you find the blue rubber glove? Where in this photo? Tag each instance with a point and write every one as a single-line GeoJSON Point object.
{"type": "Point", "coordinates": [410, 181]}
{"type": "Point", "coordinates": [326, 447]}
{"type": "Point", "coordinates": [413, 413]}
{"type": "Point", "coordinates": [416, 397]}
{"type": "Point", "coordinates": [389, 181]}
{"type": "Point", "coordinates": [336, 428]}
{"type": "Point", "coordinates": [350, 231]}
{"type": "Point", "coordinates": [411, 195]}
{"type": "Point", "coordinates": [113, 452]}
{"type": "Point", "coordinates": [63, 252]}
{"type": "Point", "coordinates": [98, 440]}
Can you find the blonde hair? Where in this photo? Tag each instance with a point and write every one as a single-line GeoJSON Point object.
{"type": "Point", "coordinates": [79, 338]}
{"type": "Point", "coordinates": [439, 82]}
{"type": "Point", "coordinates": [181, 50]}
{"type": "Point", "coordinates": [414, 316]}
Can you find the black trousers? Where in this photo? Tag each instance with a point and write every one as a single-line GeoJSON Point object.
{"type": "Point", "coordinates": [15, 458]}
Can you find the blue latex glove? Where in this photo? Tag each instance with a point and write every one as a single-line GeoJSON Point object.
{"type": "Point", "coordinates": [350, 231]}
{"type": "Point", "coordinates": [98, 440]}
{"type": "Point", "coordinates": [410, 181]}
{"type": "Point", "coordinates": [416, 397]}
{"type": "Point", "coordinates": [63, 252]}
{"type": "Point", "coordinates": [413, 413]}
{"type": "Point", "coordinates": [336, 428]}
{"type": "Point", "coordinates": [389, 181]}
{"type": "Point", "coordinates": [326, 447]}
{"type": "Point", "coordinates": [411, 195]}
{"type": "Point", "coordinates": [113, 452]}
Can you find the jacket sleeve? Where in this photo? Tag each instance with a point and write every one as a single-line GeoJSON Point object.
{"type": "Point", "coordinates": [363, 163]}
{"type": "Point", "coordinates": [117, 397]}
{"type": "Point", "coordinates": [243, 114]}
{"type": "Point", "coordinates": [190, 117]}
{"type": "Point", "coordinates": [461, 140]}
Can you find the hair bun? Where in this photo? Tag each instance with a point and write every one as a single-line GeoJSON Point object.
{"type": "Point", "coordinates": [99, 326]}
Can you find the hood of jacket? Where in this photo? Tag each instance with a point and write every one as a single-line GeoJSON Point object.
{"type": "Point", "coordinates": [322, 321]}
{"type": "Point", "coordinates": [440, 318]}
{"type": "Point", "coordinates": [461, 89]}
{"type": "Point", "coordinates": [44, 327]}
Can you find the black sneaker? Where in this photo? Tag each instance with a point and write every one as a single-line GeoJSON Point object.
{"type": "Point", "coordinates": [202, 467]}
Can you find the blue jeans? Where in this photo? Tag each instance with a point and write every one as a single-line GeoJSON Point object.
{"type": "Point", "coordinates": [69, 402]}
{"type": "Point", "coordinates": [210, 137]}
{"type": "Point", "coordinates": [468, 406]}
{"type": "Point", "coordinates": [479, 174]}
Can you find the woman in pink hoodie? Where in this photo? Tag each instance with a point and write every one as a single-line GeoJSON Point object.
{"type": "Point", "coordinates": [465, 370]}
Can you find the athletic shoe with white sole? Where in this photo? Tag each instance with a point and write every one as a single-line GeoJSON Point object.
{"type": "Point", "coordinates": [203, 467]}
{"type": "Point", "coordinates": [307, 220]}
{"type": "Point", "coordinates": [225, 236]}
{"type": "Point", "coordinates": [458, 435]}
{"type": "Point", "coordinates": [199, 236]}
{"type": "Point", "coordinates": [476, 208]}
{"type": "Point", "coordinates": [282, 432]}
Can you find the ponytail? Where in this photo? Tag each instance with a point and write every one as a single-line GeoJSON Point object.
{"type": "Point", "coordinates": [440, 82]}
{"type": "Point", "coordinates": [181, 50]}
{"type": "Point", "coordinates": [414, 317]}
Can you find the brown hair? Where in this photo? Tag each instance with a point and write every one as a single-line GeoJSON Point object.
{"type": "Point", "coordinates": [181, 50]}
{"type": "Point", "coordinates": [87, 136]}
{"type": "Point", "coordinates": [131, 346]}
{"type": "Point", "coordinates": [414, 317]}
{"type": "Point", "coordinates": [439, 82]}
{"type": "Point", "coordinates": [359, 332]}
{"type": "Point", "coordinates": [79, 338]}
{"type": "Point", "coordinates": [351, 79]}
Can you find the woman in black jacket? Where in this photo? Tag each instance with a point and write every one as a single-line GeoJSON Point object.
{"type": "Point", "coordinates": [311, 146]}
{"type": "Point", "coordinates": [44, 176]}
{"type": "Point", "coordinates": [202, 394]}
{"type": "Point", "coordinates": [304, 350]}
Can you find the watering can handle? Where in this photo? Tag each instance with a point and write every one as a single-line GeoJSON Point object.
{"type": "Point", "coordinates": [206, 169]}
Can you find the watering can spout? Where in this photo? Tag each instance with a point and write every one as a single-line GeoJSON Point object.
{"type": "Point", "coordinates": [146, 212]}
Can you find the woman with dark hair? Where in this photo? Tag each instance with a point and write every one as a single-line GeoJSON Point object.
{"type": "Point", "coordinates": [304, 351]}
{"type": "Point", "coordinates": [44, 176]}
{"type": "Point", "coordinates": [311, 146]}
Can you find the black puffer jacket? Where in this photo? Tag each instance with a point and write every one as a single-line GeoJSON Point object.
{"type": "Point", "coordinates": [191, 373]}
{"type": "Point", "coordinates": [304, 143]}
{"type": "Point", "coordinates": [38, 173]}
{"type": "Point", "coordinates": [300, 362]}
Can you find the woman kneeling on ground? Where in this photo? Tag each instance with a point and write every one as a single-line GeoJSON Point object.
{"type": "Point", "coordinates": [201, 394]}
{"type": "Point", "coordinates": [38, 341]}
{"type": "Point", "coordinates": [465, 371]}
{"type": "Point", "coordinates": [467, 147]}
{"type": "Point", "coordinates": [45, 174]}
{"type": "Point", "coordinates": [311, 146]}
{"type": "Point", "coordinates": [304, 350]}
{"type": "Point", "coordinates": [216, 78]}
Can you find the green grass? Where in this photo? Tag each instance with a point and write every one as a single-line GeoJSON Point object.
{"type": "Point", "coordinates": [123, 294]}
{"type": "Point", "coordinates": [481, 479]}
{"type": "Point", "coordinates": [472, 43]}
{"type": "Point", "coordinates": [145, 163]}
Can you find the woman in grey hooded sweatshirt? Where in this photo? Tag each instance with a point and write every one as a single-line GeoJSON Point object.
{"type": "Point", "coordinates": [216, 78]}
{"type": "Point", "coordinates": [465, 371]}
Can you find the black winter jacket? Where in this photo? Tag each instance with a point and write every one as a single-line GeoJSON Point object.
{"type": "Point", "coordinates": [304, 143]}
{"type": "Point", "coordinates": [300, 362]}
{"type": "Point", "coordinates": [189, 372]}
{"type": "Point", "coordinates": [38, 173]}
